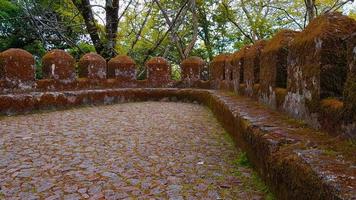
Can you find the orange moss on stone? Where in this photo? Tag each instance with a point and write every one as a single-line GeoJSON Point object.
{"type": "Point", "coordinates": [251, 63]}
{"type": "Point", "coordinates": [59, 65]}
{"type": "Point", "coordinates": [45, 85]}
{"type": "Point", "coordinates": [193, 61]}
{"type": "Point", "coordinates": [220, 71]}
{"type": "Point", "coordinates": [273, 63]}
{"type": "Point", "coordinates": [256, 89]}
{"type": "Point", "coordinates": [241, 53]}
{"type": "Point", "coordinates": [122, 67]}
{"type": "Point", "coordinates": [327, 26]}
{"type": "Point", "coordinates": [349, 93]}
{"type": "Point", "coordinates": [255, 49]}
{"type": "Point", "coordinates": [2, 85]}
{"type": "Point", "coordinates": [331, 116]}
{"type": "Point", "coordinates": [238, 56]}
{"type": "Point", "coordinates": [191, 68]}
{"type": "Point", "coordinates": [242, 89]}
{"type": "Point", "coordinates": [218, 65]}
{"type": "Point", "coordinates": [92, 66]}
{"type": "Point", "coordinates": [157, 61]}
{"type": "Point", "coordinates": [17, 68]}
{"type": "Point", "coordinates": [330, 103]}
{"type": "Point", "coordinates": [326, 66]}
{"type": "Point", "coordinates": [281, 93]}
{"type": "Point", "coordinates": [280, 40]}
{"type": "Point", "coordinates": [237, 62]}
{"type": "Point", "coordinates": [279, 149]}
{"type": "Point", "coordinates": [158, 71]}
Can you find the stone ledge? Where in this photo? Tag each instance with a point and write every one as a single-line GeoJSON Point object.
{"type": "Point", "coordinates": [296, 162]}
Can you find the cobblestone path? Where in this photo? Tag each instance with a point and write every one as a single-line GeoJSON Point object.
{"type": "Point", "coordinates": [150, 150]}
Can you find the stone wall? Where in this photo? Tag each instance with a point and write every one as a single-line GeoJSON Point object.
{"type": "Point", "coordinates": [273, 69]}
{"type": "Point", "coordinates": [292, 159]}
{"type": "Point", "coordinates": [17, 72]}
{"type": "Point", "coordinates": [310, 74]}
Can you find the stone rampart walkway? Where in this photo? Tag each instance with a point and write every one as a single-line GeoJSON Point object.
{"type": "Point", "coordinates": [150, 150]}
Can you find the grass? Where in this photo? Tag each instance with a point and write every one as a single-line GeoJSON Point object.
{"type": "Point", "coordinates": [256, 181]}
{"type": "Point", "coordinates": [351, 143]}
{"type": "Point", "coordinates": [330, 152]}
{"type": "Point", "coordinates": [297, 122]}
{"type": "Point", "coordinates": [242, 161]}
{"type": "Point", "coordinates": [228, 138]}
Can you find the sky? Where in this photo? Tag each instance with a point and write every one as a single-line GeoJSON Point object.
{"type": "Point", "coordinates": [349, 7]}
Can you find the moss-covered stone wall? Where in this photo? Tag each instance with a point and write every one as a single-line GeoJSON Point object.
{"type": "Point", "coordinates": [310, 74]}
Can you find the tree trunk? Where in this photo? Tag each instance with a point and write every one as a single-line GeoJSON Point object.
{"type": "Point", "coordinates": [190, 46]}
{"type": "Point", "coordinates": [310, 9]}
{"type": "Point", "coordinates": [112, 14]}
{"type": "Point", "coordinates": [205, 32]}
{"type": "Point", "coordinates": [84, 8]}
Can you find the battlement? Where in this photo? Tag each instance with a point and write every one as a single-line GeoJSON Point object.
{"type": "Point", "coordinates": [308, 75]}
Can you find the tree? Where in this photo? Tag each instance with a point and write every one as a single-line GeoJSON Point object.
{"type": "Point", "coordinates": [104, 45]}
{"type": "Point", "coordinates": [174, 29]}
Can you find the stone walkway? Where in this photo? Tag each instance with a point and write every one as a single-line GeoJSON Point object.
{"type": "Point", "coordinates": [150, 150]}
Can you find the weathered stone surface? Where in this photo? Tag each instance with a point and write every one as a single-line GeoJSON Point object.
{"type": "Point", "coordinates": [97, 153]}
{"type": "Point", "coordinates": [92, 66]}
{"type": "Point", "coordinates": [350, 90]}
{"type": "Point", "coordinates": [237, 65]}
{"type": "Point", "coordinates": [279, 148]}
{"type": "Point", "coordinates": [158, 71]}
{"type": "Point", "coordinates": [17, 69]}
{"type": "Point", "coordinates": [251, 66]}
{"type": "Point", "coordinates": [220, 71]}
{"type": "Point", "coordinates": [58, 65]}
{"type": "Point", "coordinates": [122, 67]}
{"type": "Point", "coordinates": [317, 65]}
{"type": "Point", "coordinates": [191, 69]}
{"type": "Point", "coordinates": [273, 66]}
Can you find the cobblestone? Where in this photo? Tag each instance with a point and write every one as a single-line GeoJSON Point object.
{"type": "Point", "coordinates": [148, 150]}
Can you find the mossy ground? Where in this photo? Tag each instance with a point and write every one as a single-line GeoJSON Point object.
{"type": "Point", "coordinates": [249, 183]}
{"type": "Point", "coordinates": [300, 129]}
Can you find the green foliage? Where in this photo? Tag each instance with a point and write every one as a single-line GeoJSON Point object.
{"type": "Point", "coordinates": [81, 49]}
{"type": "Point", "coordinates": [258, 182]}
{"type": "Point", "coordinates": [7, 9]}
{"type": "Point", "coordinates": [37, 50]}
{"type": "Point", "coordinates": [176, 72]}
{"type": "Point", "coordinates": [242, 160]}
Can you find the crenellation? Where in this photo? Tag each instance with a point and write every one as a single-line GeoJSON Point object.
{"type": "Point", "coordinates": [59, 65]}
{"type": "Point", "coordinates": [288, 105]}
{"type": "Point", "coordinates": [310, 74]}
{"type": "Point", "coordinates": [237, 62]}
{"type": "Point", "coordinates": [317, 70]}
{"type": "Point", "coordinates": [158, 72]}
{"type": "Point", "coordinates": [273, 64]}
{"type": "Point", "coordinates": [92, 66]}
{"type": "Point", "coordinates": [17, 70]}
{"type": "Point", "coordinates": [191, 70]}
{"type": "Point", "coordinates": [252, 66]}
{"type": "Point", "coordinates": [218, 70]}
{"type": "Point", "coordinates": [122, 67]}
